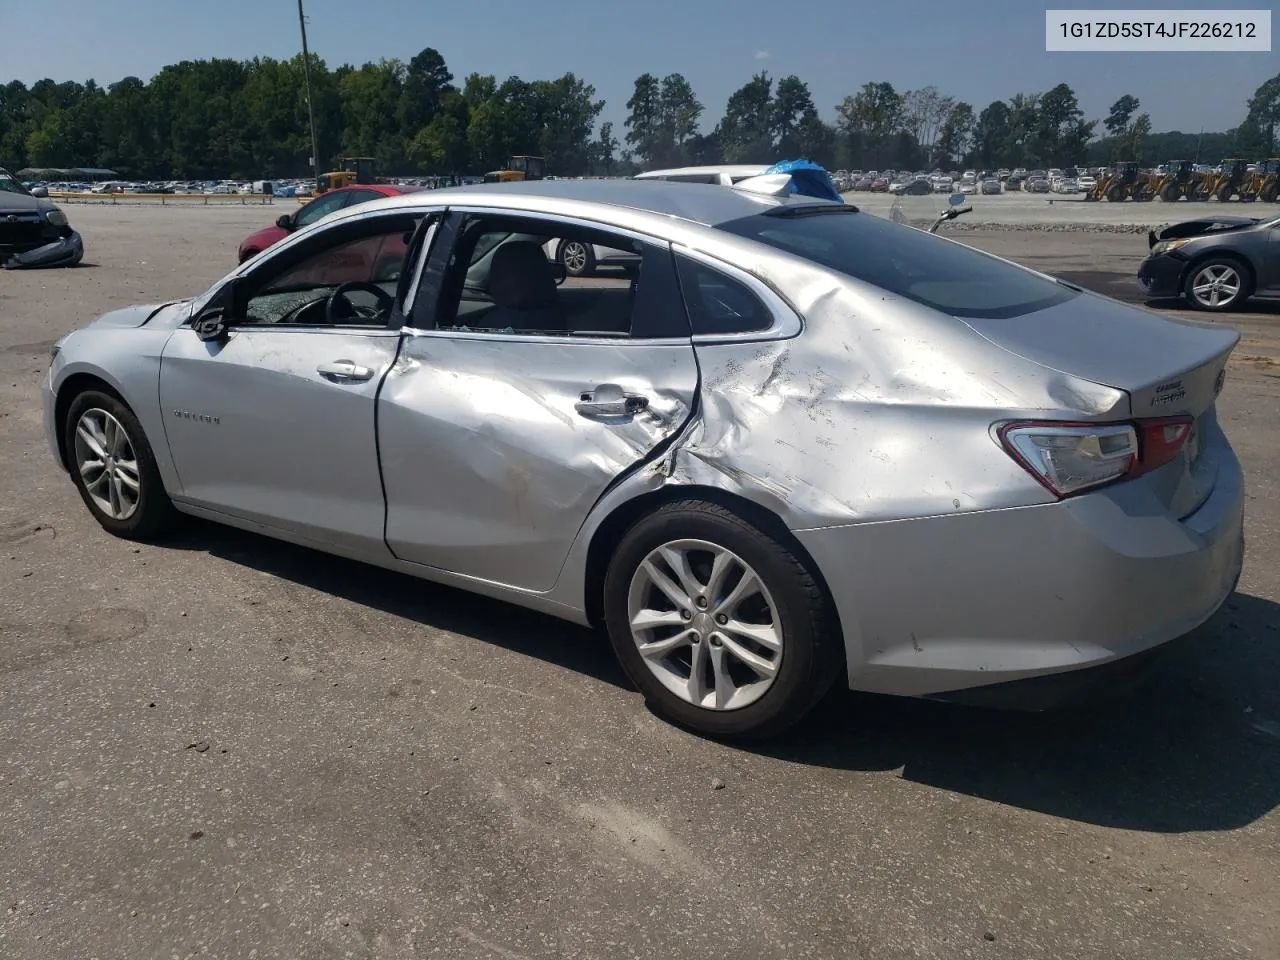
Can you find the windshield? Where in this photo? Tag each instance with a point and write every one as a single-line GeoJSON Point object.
{"type": "Point", "coordinates": [10, 185]}
{"type": "Point", "coordinates": [946, 276]}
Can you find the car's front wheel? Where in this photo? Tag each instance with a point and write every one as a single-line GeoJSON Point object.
{"type": "Point", "coordinates": [578, 258]}
{"type": "Point", "coordinates": [722, 626]}
{"type": "Point", "coordinates": [114, 469]}
{"type": "Point", "coordinates": [1219, 283]}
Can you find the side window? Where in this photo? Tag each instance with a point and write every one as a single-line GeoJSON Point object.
{"type": "Point", "coordinates": [523, 276]}
{"type": "Point", "coordinates": [320, 207]}
{"type": "Point", "coordinates": [719, 304]}
{"type": "Point", "coordinates": [365, 260]}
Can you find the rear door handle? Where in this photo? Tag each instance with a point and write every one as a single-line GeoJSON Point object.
{"type": "Point", "coordinates": [345, 371]}
{"type": "Point", "coordinates": [609, 400]}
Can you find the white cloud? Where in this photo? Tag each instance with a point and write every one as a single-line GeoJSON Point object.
{"type": "Point", "coordinates": [763, 55]}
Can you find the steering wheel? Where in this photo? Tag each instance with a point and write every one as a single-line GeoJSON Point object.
{"type": "Point", "coordinates": [385, 302]}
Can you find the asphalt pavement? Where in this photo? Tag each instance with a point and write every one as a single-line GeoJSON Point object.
{"type": "Point", "coordinates": [228, 747]}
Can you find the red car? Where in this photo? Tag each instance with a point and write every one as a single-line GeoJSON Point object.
{"type": "Point", "coordinates": [309, 213]}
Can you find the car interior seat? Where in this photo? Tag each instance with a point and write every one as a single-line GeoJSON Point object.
{"type": "Point", "coordinates": [522, 286]}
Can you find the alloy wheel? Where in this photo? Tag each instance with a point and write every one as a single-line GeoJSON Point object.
{"type": "Point", "coordinates": [705, 624]}
{"type": "Point", "coordinates": [574, 256]}
{"type": "Point", "coordinates": [108, 464]}
{"type": "Point", "coordinates": [1216, 285]}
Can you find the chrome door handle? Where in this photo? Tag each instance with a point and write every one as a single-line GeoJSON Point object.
{"type": "Point", "coordinates": [609, 400]}
{"type": "Point", "coordinates": [345, 371]}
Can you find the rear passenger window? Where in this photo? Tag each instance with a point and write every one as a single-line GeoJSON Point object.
{"type": "Point", "coordinates": [526, 277]}
{"type": "Point", "coordinates": [718, 304]}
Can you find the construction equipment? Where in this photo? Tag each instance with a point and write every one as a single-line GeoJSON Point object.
{"type": "Point", "coordinates": [1264, 183]}
{"type": "Point", "coordinates": [1119, 183]}
{"type": "Point", "coordinates": [1229, 182]}
{"type": "Point", "coordinates": [354, 170]}
{"type": "Point", "coordinates": [1173, 183]}
{"type": "Point", "coordinates": [518, 169]}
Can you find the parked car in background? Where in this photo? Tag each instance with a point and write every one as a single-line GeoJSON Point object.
{"type": "Point", "coordinates": [678, 459]}
{"type": "Point", "coordinates": [1086, 182]}
{"type": "Point", "coordinates": [990, 187]}
{"type": "Point", "coordinates": [1214, 263]}
{"type": "Point", "coordinates": [34, 232]}
{"type": "Point", "coordinates": [331, 201]}
{"type": "Point", "coordinates": [917, 187]}
{"type": "Point", "coordinates": [1038, 185]}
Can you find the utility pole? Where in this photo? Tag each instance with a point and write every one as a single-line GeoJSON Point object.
{"type": "Point", "coordinates": [311, 112]}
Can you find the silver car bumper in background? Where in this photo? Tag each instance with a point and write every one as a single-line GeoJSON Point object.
{"type": "Point", "coordinates": [941, 604]}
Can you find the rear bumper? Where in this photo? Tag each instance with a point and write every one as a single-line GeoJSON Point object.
{"type": "Point", "coordinates": [1161, 275]}
{"type": "Point", "coordinates": [939, 605]}
{"type": "Point", "coordinates": [64, 252]}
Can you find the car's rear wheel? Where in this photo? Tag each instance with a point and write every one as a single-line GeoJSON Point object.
{"type": "Point", "coordinates": [113, 467]}
{"type": "Point", "coordinates": [1215, 284]}
{"type": "Point", "coordinates": [722, 626]}
{"type": "Point", "coordinates": [578, 258]}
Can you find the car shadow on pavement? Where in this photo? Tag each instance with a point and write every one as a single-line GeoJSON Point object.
{"type": "Point", "coordinates": [502, 624]}
{"type": "Point", "coordinates": [1191, 744]}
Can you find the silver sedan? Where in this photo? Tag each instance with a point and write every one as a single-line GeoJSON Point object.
{"type": "Point", "coordinates": [792, 445]}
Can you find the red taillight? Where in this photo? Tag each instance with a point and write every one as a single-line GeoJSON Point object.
{"type": "Point", "coordinates": [1070, 457]}
{"type": "Point", "coordinates": [1160, 441]}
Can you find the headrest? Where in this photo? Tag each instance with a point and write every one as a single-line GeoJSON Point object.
{"type": "Point", "coordinates": [521, 277]}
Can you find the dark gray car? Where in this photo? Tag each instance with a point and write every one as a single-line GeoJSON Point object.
{"type": "Point", "coordinates": [1215, 263]}
{"type": "Point", "coordinates": [33, 231]}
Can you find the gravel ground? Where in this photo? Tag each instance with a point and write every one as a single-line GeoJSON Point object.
{"type": "Point", "coordinates": [229, 747]}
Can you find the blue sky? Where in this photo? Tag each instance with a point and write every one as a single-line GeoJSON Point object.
{"type": "Point", "coordinates": [977, 51]}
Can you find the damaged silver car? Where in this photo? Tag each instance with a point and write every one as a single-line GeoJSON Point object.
{"type": "Point", "coordinates": [790, 445]}
{"type": "Point", "coordinates": [34, 232]}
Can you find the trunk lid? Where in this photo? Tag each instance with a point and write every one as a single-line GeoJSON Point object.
{"type": "Point", "coordinates": [1168, 367]}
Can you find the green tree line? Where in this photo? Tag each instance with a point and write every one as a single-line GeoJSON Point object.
{"type": "Point", "coordinates": [248, 119]}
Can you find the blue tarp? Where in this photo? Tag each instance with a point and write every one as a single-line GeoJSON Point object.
{"type": "Point", "coordinates": [808, 179]}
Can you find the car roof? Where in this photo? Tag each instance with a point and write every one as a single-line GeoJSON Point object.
{"type": "Point", "coordinates": [707, 204]}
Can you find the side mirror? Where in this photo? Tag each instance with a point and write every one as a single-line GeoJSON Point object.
{"type": "Point", "coordinates": [212, 324]}
{"type": "Point", "coordinates": [285, 221]}
{"type": "Point", "coordinates": [40, 192]}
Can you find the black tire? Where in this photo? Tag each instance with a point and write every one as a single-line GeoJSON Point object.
{"type": "Point", "coordinates": [1242, 272]}
{"type": "Point", "coordinates": [1115, 194]}
{"type": "Point", "coordinates": [154, 514]}
{"type": "Point", "coordinates": [1170, 193]}
{"type": "Point", "coordinates": [580, 260]}
{"type": "Point", "coordinates": [812, 651]}
{"type": "Point", "coordinates": [1268, 193]}
{"type": "Point", "coordinates": [1194, 193]}
{"type": "Point", "coordinates": [1224, 194]}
